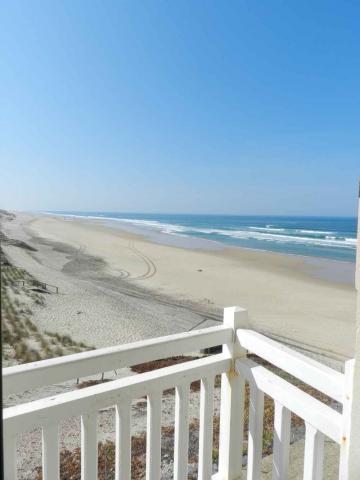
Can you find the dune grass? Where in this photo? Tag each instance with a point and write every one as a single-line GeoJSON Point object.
{"type": "Point", "coordinates": [23, 342]}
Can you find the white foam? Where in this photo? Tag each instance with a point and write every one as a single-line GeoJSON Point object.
{"type": "Point", "coordinates": [269, 233]}
{"type": "Point", "coordinates": [278, 238]}
{"type": "Point", "coordinates": [290, 230]}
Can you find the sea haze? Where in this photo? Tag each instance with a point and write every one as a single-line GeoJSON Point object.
{"type": "Point", "coordinates": [325, 237]}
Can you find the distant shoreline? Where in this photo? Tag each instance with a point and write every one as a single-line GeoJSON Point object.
{"type": "Point", "coordinates": [333, 270]}
{"type": "Point", "coordinates": [331, 238]}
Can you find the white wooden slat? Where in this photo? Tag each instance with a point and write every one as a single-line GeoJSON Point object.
{"type": "Point", "coordinates": [305, 406]}
{"type": "Point", "coordinates": [89, 446]}
{"type": "Point", "coordinates": [10, 470]}
{"type": "Point", "coordinates": [31, 415]}
{"type": "Point", "coordinates": [45, 372]}
{"type": "Point", "coordinates": [232, 402]}
{"type": "Point", "coordinates": [50, 453]}
{"type": "Point", "coordinates": [206, 428]}
{"type": "Point", "coordinates": [314, 454]}
{"type": "Point", "coordinates": [346, 417]}
{"type": "Point", "coordinates": [319, 376]}
{"type": "Point", "coordinates": [255, 438]}
{"type": "Point", "coordinates": [231, 425]}
{"type": "Point", "coordinates": [181, 443]}
{"type": "Point", "coordinates": [281, 442]}
{"type": "Point", "coordinates": [123, 440]}
{"type": "Point", "coordinates": [153, 436]}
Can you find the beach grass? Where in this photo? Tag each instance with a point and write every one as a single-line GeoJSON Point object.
{"type": "Point", "coordinates": [23, 342]}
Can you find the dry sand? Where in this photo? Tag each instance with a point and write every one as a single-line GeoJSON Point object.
{"type": "Point", "coordinates": [117, 287]}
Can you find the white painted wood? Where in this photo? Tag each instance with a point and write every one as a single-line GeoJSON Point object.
{"type": "Point", "coordinates": [319, 376]}
{"type": "Point", "coordinates": [314, 453]}
{"type": "Point", "coordinates": [10, 470]}
{"type": "Point", "coordinates": [123, 440]}
{"type": "Point", "coordinates": [352, 417]}
{"type": "Point", "coordinates": [153, 436]}
{"type": "Point", "coordinates": [232, 401]}
{"type": "Point", "coordinates": [321, 416]}
{"type": "Point", "coordinates": [89, 446]}
{"type": "Point", "coordinates": [45, 372]}
{"type": "Point", "coordinates": [281, 442]}
{"type": "Point", "coordinates": [346, 417]}
{"type": "Point", "coordinates": [255, 436]}
{"type": "Point", "coordinates": [206, 428]}
{"type": "Point", "coordinates": [25, 417]}
{"type": "Point", "coordinates": [181, 442]}
{"type": "Point", "coordinates": [235, 369]}
{"type": "Point", "coordinates": [50, 453]}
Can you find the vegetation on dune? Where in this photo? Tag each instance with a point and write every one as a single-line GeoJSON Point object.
{"type": "Point", "coordinates": [23, 342]}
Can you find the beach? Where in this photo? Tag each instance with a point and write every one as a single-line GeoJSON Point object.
{"type": "Point", "coordinates": [116, 286]}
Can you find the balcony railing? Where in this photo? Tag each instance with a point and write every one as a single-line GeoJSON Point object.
{"type": "Point", "coordinates": [235, 368]}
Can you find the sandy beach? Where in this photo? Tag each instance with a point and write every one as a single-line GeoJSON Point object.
{"type": "Point", "coordinates": [116, 287]}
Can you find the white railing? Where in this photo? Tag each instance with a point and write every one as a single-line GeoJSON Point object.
{"type": "Point", "coordinates": [320, 419]}
{"type": "Point", "coordinates": [55, 370]}
{"type": "Point", "coordinates": [236, 369]}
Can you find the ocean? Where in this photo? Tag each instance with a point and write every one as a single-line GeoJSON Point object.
{"type": "Point", "coordinates": [324, 237]}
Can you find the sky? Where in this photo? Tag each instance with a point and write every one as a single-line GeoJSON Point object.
{"type": "Point", "coordinates": [241, 107]}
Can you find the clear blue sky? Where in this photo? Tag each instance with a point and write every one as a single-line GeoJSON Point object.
{"type": "Point", "coordinates": [181, 106]}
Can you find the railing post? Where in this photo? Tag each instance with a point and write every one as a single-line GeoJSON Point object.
{"type": "Point", "coordinates": [350, 448]}
{"type": "Point", "coordinates": [232, 402]}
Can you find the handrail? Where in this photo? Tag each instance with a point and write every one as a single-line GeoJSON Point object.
{"type": "Point", "coordinates": [51, 410]}
{"type": "Point", "coordinates": [319, 376]}
{"type": "Point", "coordinates": [319, 415]}
{"type": "Point", "coordinates": [45, 372]}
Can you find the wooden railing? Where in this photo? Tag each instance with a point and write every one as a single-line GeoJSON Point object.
{"type": "Point", "coordinates": [321, 420]}
{"type": "Point", "coordinates": [37, 283]}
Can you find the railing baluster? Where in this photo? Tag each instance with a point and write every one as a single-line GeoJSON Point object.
{"type": "Point", "coordinates": [123, 441]}
{"type": "Point", "coordinates": [281, 443]}
{"type": "Point", "coordinates": [89, 447]}
{"type": "Point", "coordinates": [181, 444]}
{"type": "Point", "coordinates": [314, 454]}
{"type": "Point", "coordinates": [50, 453]}
{"type": "Point", "coordinates": [153, 436]}
{"type": "Point", "coordinates": [206, 428]}
{"type": "Point", "coordinates": [10, 470]}
{"type": "Point", "coordinates": [256, 419]}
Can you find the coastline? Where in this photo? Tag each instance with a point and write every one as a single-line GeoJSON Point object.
{"type": "Point", "coordinates": [332, 238]}
{"type": "Point", "coordinates": [284, 296]}
{"type": "Point", "coordinates": [331, 269]}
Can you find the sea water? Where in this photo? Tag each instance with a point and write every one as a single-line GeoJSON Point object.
{"type": "Point", "coordinates": [324, 237]}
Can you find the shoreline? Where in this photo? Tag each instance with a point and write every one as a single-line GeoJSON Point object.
{"type": "Point", "coordinates": [128, 288]}
{"type": "Point", "coordinates": [162, 227]}
{"type": "Point", "coordinates": [330, 269]}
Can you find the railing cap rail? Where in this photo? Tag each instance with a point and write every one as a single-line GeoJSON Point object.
{"type": "Point", "coordinates": [319, 376]}
{"type": "Point", "coordinates": [55, 370]}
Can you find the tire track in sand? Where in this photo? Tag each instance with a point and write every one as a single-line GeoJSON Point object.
{"type": "Point", "coordinates": [150, 265]}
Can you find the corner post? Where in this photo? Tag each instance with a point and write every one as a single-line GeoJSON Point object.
{"type": "Point", "coordinates": [350, 458]}
{"type": "Point", "coordinates": [232, 402]}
